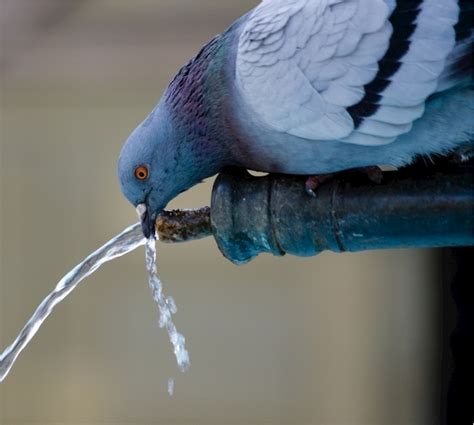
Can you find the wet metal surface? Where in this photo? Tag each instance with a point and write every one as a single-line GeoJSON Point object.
{"type": "Point", "coordinates": [184, 225]}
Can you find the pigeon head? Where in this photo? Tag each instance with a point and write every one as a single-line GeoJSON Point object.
{"type": "Point", "coordinates": [163, 157]}
{"type": "Point", "coordinates": [148, 171]}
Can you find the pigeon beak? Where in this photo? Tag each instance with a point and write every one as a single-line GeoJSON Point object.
{"type": "Point", "coordinates": [148, 224]}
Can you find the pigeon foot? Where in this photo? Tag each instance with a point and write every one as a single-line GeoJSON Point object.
{"type": "Point", "coordinates": [312, 183]}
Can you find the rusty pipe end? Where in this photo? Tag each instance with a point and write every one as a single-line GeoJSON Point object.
{"type": "Point", "coordinates": [184, 225]}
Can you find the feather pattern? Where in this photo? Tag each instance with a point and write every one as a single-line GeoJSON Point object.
{"type": "Point", "coordinates": [355, 71]}
{"type": "Point", "coordinates": [458, 69]}
{"type": "Point", "coordinates": [319, 54]}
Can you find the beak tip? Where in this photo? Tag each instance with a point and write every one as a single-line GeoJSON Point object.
{"type": "Point", "coordinates": [148, 231]}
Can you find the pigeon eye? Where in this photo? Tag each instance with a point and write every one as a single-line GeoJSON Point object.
{"type": "Point", "coordinates": [141, 173]}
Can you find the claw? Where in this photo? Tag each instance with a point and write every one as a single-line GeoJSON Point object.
{"type": "Point", "coordinates": [313, 182]}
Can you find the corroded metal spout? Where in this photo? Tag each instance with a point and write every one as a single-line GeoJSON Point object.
{"type": "Point", "coordinates": [184, 225]}
{"type": "Point", "coordinates": [411, 208]}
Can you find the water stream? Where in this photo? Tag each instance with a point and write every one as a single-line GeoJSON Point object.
{"type": "Point", "coordinates": [167, 307]}
{"type": "Point", "coordinates": [130, 239]}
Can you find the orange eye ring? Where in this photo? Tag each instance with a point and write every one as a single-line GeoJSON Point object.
{"type": "Point", "coordinates": [141, 172]}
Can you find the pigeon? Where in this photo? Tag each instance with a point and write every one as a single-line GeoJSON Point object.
{"type": "Point", "coordinates": [309, 87]}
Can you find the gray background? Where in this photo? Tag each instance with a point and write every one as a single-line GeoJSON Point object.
{"type": "Point", "coordinates": [336, 339]}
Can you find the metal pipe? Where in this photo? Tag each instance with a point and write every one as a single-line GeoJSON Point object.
{"type": "Point", "coordinates": [411, 208]}
{"type": "Point", "coordinates": [184, 225]}
{"type": "Point", "coordinates": [274, 214]}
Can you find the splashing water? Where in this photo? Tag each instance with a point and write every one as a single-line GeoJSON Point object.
{"type": "Point", "coordinates": [127, 241]}
{"type": "Point", "coordinates": [167, 307]}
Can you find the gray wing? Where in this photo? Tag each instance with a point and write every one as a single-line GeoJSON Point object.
{"type": "Point", "coordinates": [357, 71]}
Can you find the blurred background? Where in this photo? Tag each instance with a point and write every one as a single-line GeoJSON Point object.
{"type": "Point", "coordinates": [334, 340]}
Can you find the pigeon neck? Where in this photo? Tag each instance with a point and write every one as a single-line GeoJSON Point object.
{"type": "Point", "coordinates": [196, 103]}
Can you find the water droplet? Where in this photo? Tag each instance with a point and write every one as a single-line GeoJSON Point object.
{"type": "Point", "coordinates": [171, 387]}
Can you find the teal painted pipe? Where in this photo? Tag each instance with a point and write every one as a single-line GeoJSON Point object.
{"type": "Point", "coordinates": [416, 207]}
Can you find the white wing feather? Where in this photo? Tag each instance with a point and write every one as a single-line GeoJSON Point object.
{"type": "Point", "coordinates": [302, 63]}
